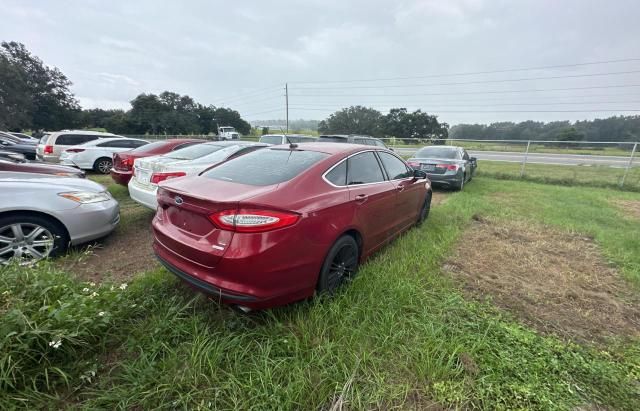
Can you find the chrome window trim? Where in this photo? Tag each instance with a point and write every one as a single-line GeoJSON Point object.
{"type": "Point", "coordinates": [384, 171]}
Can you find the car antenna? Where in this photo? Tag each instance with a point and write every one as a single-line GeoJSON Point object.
{"type": "Point", "coordinates": [292, 146]}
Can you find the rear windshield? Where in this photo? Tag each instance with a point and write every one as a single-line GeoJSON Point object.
{"type": "Point", "coordinates": [271, 139]}
{"type": "Point", "coordinates": [437, 152]}
{"type": "Point", "coordinates": [265, 167]}
{"type": "Point", "coordinates": [193, 152]}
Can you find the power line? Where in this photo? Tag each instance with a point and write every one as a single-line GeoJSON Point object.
{"type": "Point", "coordinates": [473, 82]}
{"type": "Point", "coordinates": [502, 111]}
{"type": "Point", "coordinates": [468, 92]}
{"type": "Point", "coordinates": [471, 73]}
{"type": "Point", "coordinates": [414, 104]}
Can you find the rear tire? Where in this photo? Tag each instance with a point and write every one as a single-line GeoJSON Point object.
{"type": "Point", "coordinates": [424, 211]}
{"type": "Point", "coordinates": [340, 265]}
{"type": "Point", "coordinates": [460, 185]}
{"type": "Point", "coordinates": [29, 238]}
{"type": "Point", "coordinates": [103, 165]}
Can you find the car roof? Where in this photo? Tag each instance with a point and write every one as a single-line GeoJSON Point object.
{"type": "Point", "coordinates": [85, 132]}
{"type": "Point", "coordinates": [331, 148]}
{"type": "Point", "coordinates": [347, 136]}
{"type": "Point", "coordinates": [235, 143]}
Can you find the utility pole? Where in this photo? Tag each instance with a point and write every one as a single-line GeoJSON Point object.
{"type": "Point", "coordinates": [286, 102]}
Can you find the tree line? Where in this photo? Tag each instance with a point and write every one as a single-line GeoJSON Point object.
{"type": "Point", "coordinates": [34, 96]}
{"type": "Point", "coordinates": [398, 122]}
{"type": "Point", "coordinates": [617, 128]}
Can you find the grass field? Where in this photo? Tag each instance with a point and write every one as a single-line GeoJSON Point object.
{"type": "Point", "coordinates": [404, 334]}
{"type": "Point", "coordinates": [593, 176]}
{"type": "Point", "coordinates": [521, 147]}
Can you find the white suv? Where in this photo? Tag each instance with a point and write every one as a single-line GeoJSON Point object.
{"type": "Point", "coordinates": [97, 155]}
{"type": "Point", "coordinates": [52, 144]}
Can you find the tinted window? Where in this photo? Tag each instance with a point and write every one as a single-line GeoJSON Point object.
{"type": "Point", "coordinates": [361, 141]}
{"type": "Point", "coordinates": [73, 139]}
{"type": "Point", "coordinates": [300, 139]}
{"type": "Point", "coordinates": [379, 143]}
{"type": "Point", "coordinates": [338, 175]}
{"type": "Point", "coordinates": [363, 168]}
{"type": "Point", "coordinates": [195, 151]}
{"type": "Point", "coordinates": [437, 152]}
{"type": "Point", "coordinates": [265, 167]}
{"type": "Point", "coordinates": [394, 166]}
{"type": "Point", "coordinates": [271, 139]}
{"type": "Point", "coordinates": [465, 155]}
{"type": "Point", "coordinates": [120, 144]}
{"type": "Point", "coordinates": [185, 145]}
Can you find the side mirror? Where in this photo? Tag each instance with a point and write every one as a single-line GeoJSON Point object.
{"type": "Point", "coordinates": [419, 174]}
{"type": "Point", "coordinates": [473, 159]}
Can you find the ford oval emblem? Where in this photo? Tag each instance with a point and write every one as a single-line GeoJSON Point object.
{"type": "Point", "coordinates": [178, 200]}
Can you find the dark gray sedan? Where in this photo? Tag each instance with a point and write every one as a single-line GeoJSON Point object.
{"type": "Point", "coordinates": [17, 145]}
{"type": "Point", "coordinates": [446, 165]}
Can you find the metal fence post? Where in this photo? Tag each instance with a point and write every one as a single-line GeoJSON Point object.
{"type": "Point", "coordinates": [626, 171]}
{"type": "Point", "coordinates": [524, 162]}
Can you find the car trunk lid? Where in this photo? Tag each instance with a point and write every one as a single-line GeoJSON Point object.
{"type": "Point", "coordinates": [185, 205]}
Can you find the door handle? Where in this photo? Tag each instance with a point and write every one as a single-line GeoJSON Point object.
{"type": "Point", "coordinates": [400, 188]}
{"type": "Point", "coordinates": [361, 198]}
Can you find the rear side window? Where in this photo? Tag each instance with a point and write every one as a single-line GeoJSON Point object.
{"type": "Point", "coordinates": [361, 141]}
{"type": "Point", "coordinates": [73, 139]}
{"type": "Point", "coordinates": [378, 143]}
{"type": "Point", "coordinates": [332, 139]}
{"type": "Point", "coordinates": [271, 139]}
{"type": "Point", "coordinates": [338, 176]}
{"type": "Point", "coordinates": [265, 167]}
{"type": "Point", "coordinates": [363, 168]}
{"type": "Point", "coordinates": [395, 167]}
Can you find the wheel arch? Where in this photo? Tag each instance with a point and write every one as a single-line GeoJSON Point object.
{"type": "Point", "coordinates": [49, 217]}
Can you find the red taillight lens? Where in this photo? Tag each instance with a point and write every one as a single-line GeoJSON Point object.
{"type": "Point", "coordinates": [253, 220]}
{"type": "Point", "coordinates": [48, 149]}
{"type": "Point", "coordinates": [450, 167]}
{"type": "Point", "coordinates": [74, 150]}
{"type": "Point", "coordinates": [158, 177]}
{"type": "Point", "coordinates": [413, 164]}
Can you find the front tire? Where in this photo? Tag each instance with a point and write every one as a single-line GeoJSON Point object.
{"type": "Point", "coordinates": [103, 165]}
{"type": "Point", "coordinates": [340, 265]}
{"type": "Point", "coordinates": [29, 238]}
{"type": "Point", "coordinates": [424, 211]}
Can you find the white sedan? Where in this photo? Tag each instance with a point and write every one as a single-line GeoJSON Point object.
{"type": "Point", "coordinates": [148, 172]}
{"type": "Point", "coordinates": [98, 154]}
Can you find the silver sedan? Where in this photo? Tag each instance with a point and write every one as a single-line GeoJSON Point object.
{"type": "Point", "coordinates": [42, 215]}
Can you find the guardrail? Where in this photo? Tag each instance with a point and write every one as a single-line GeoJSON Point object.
{"type": "Point", "coordinates": [599, 163]}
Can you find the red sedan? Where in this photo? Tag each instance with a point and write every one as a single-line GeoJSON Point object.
{"type": "Point", "coordinates": [276, 225]}
{"type": "Point", "coordinates": [122, 169]}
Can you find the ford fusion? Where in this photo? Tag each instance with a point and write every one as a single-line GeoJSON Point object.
{"type": "Point", "coordinates": [278, 224]}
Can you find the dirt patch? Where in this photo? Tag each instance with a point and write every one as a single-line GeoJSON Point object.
{"type": "Point", "coordinates": [629, 207]}
{"type": "Point", "coordinates": [439, 197]}
{"type": "Point", "coordinates": [121, 255]}
{"type": "Point", "coordinates": [554, 281]}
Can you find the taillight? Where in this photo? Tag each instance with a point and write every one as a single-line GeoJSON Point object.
{"type": "Point", "coordinates": [158, 177]}
{"type": "Point", "coordinates": [450, 167]}
{"type": "Point", "coordinates": [413, 164]}
{"type": "Point", "coordinates": [253, 220]}
{"type": "Point", "coordinates": [48, 149]}
{"type": "Point", "coordinates": [74, 150]}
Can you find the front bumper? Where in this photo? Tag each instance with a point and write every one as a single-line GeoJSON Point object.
{"type": "Point", "coordinates": [91, 221]}
{"type": "Point", "coordinates": [145, 195]}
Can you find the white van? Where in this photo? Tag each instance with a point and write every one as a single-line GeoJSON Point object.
{"type": "Point", "coordinates": [53, 144]}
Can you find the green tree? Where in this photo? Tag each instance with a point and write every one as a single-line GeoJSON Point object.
{"type": "Point", "coordinates": [416, 125]}
{"type": "Point", "coordinates": [352, 120]}
{"type": "Point", "coordinates": [33, 95]}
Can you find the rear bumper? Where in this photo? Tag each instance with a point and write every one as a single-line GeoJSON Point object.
{"type": "Point", "coordinates": [202, 285]}
{"type": "Point", "coordinates": [443, 179]}
{"type": "Point", "coordinates": [48, 158]}
{"type": "Point", "coordinates": [145, 195]}
{"type": "Point", "coordinates": [121, 177]}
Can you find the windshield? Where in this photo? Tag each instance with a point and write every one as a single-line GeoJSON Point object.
{"type": "Point", "coordinates": [333, 139]}
{"type": "Point", "coordinates": [265, 167]}
{"type": "Point", "coordinates": [193, 152]}
{"type": "Point", "coordinates": [271, 139]}
{"type": "Point", "coordinates": [437, 152]}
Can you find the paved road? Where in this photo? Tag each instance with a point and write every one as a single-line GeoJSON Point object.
{"type": "Point", "coordinates": [545, 158]}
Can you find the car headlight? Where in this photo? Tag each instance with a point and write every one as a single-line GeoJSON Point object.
{"type": "Point", "coordinates": [86, 197]}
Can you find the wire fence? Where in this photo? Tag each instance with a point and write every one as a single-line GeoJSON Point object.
{"type": "Point", "coordinates": [589, 163]}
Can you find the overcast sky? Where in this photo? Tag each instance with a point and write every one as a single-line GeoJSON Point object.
{"type": "Point", "coordinates": [241, 54]}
